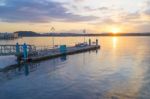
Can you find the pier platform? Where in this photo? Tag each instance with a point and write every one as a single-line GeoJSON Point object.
{"type": "Point", "coordinates": [52, 53]}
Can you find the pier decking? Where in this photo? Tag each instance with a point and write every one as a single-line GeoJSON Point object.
{"type": "Point", "coordinates": [52, 53]}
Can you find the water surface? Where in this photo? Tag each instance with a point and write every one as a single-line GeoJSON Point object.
{"type": "Point", "coordinates": [119, 70]}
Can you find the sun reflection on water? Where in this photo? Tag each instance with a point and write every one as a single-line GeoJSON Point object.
{"type": "Point", "coordinates": [114, 42]}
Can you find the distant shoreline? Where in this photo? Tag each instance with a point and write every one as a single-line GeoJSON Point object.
{"type": "Point", "coordinates": [84, 35]}
{"type": "Point", "coordinates": [34, 34]}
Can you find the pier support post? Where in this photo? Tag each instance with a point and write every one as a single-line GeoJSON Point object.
{"type": "Point", "coordinates": [25, 52]}
{"type": "Point", "coordinates": [89, 42]}
{"type": "Point", "coordinates": [96, 41]}
{"type": "Point", "coordinates": [17, 51]}
{"type": "Point", "coordinates": [25, 56]}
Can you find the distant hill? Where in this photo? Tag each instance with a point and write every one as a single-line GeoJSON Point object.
{"type": "Point", "coordinates": [26, 33]}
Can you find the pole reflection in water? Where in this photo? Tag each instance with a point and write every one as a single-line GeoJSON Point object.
{"type": "Point", "coordinates": [16, 72]}
{"type": "Point", "coordinates": [63, 58]}
{"type": "Point", "coordinates": [19, 65]}
{"type": "Point", "coordinates": [26, 69]}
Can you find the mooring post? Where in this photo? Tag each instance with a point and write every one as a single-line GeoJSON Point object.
{"type": "Point", "coordinates": [89, 42]}
{"type": "Point", "coordinates": [25, 57]}
{"type": "Point", "coordinates": [63, 49]}
{"type": "Point", "coordinates": [96, 41]}
{"type": "Point", "coordinates": [17, 51]}
{"type": "Point", "coordinates": [25, 52]}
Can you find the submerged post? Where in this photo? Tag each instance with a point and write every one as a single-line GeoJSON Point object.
{"type": "Point", "coordinates": [96, 41]}
{"type": "Point", "coordinates": [89, 42]}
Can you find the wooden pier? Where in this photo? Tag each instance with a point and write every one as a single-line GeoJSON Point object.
{"type": "Point", "coordinates": [53, 53]}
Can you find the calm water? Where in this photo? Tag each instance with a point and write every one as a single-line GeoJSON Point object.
{"type": "Point", "coordinates": [119, 70]}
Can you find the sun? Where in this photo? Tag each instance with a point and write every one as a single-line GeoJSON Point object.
{"type": "Point", "coordinates": [115, 30]}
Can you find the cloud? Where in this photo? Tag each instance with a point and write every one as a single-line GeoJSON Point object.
{"type": "Point", "coordinates": [143, 28]}
{"type": "Point", "coordinates": [87, 8]}
{"type": "Point", "coordinates": [132, 17]}
{"type": "Point", "coordinates": [79, 0]}
{"type": "Point", "coordinates": [37, 11]}
{"type": "Point", "coordinates": [147, 10]}
{"type": "Point", "coordinates": [103, 8]}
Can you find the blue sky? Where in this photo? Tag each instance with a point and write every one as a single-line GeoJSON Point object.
{"type": "Point", "coordinates": [75, 15]}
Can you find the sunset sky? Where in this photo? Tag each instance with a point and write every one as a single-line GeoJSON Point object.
{"type": "Point", "coordinates": [75, 15]}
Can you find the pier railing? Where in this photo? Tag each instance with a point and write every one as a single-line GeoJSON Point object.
{"type": "Point", "coordinates": [11, 49]}
{"type": "Point", "coordinates": [32, 50]}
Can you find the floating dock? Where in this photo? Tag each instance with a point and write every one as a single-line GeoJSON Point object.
{"type": "Point", "coordinates": [48, 54]}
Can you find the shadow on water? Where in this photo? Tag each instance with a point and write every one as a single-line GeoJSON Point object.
{"type": "Point", "coordinates": [28, 68]}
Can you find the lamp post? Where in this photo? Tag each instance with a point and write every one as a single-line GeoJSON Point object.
{"type": "Point", "coordinates": [53, 40]}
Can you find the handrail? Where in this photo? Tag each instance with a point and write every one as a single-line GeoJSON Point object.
{"type": "Point", "coordinates": [11, 49]}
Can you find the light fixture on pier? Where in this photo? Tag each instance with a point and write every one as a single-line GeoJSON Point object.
{"type": "Point", "coordinates": [53, 40]}
{"type": "Point", "coordinates": [84, 32]}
